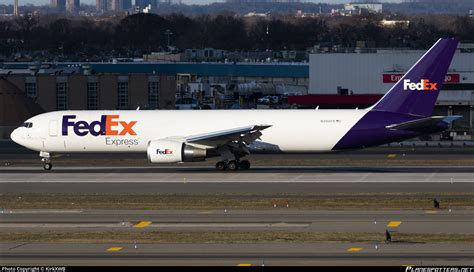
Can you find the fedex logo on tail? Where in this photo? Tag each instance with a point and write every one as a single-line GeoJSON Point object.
{"type": "Point", "coordinates": [423, 85]}
{"type": "Point", "coordinates": [109, 125]}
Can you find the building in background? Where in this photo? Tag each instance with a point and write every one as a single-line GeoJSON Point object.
{"type": "Point", "coordinates": [145, 3]}
{"type": "Point", "coordinates": [394, 23]}
{"type": "Point", "coordinates": [101, 5]}
{"type": "Point", "coordinates": [58, 5]}
{"type": "Point", "coordinates": [342, 80]}
{"type": "Point", "coordinates": [126, 4]}
{"type": "Point", "coordinates": [262, 1]}
{"type": "Point", "coordinates": [15, 107]}
{"type": "Point", "coordinates": [79, 87]}
{"type": "Point", "coordinates": [119, 5]}
{"type": "Point", "coordinates": [15, 8]}
{"type": "Point", "coordinates": [360, 79]}
{"type": "Point", "coordinates": [73, 6]}
{"type": "Point", "coordinates": [113, 5]}
{"type": "Point", "coordinates": [110, 86]}
{"type": "Point", "coordinates": [363, 7]}
{"type": "Point", "coordinates": [170, 2]}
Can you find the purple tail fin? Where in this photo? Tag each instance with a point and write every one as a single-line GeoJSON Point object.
{"type": "Point", "coordinates": [416, 92]}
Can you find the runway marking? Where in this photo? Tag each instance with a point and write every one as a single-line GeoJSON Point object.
{"type": "Point", "coordinates": [392, 156]}
{"type": "Point", "coordinates": [244, 264]}
{"type": "Point", "coordinates": [364, 177]}
{"type": "Point", "coordinates": [114, 249]}
{"type": "Point", "coordinates": [142, 224]}
{"type": "Point", "coordinates": [232, 225]}
{"type": "Point", "coordinates": [430, 177]}
{"type": "Point", "coordinates": [354, 249]}
{"type": "Point", "coordinates": [206, 212]}
{"type": "Point", "coordinates": [394, 224]}
{"type": "Point", "coordinates": [30, 211]}
{"type": "Point", "coordinates": [431, 212]}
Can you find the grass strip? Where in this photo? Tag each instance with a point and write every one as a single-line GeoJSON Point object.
{"type": "Point", "coordinates": [226, 237]}
{"type": "Point", "coordinates": [366, 201]}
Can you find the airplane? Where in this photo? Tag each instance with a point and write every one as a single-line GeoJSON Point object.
{"type": "Point", "coordinates": [175, 136]}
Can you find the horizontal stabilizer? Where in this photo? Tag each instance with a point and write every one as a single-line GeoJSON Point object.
{"type": "Point", "coordinates": [423, 123]}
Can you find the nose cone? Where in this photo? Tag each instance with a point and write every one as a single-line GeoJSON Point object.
{"type": "Point", "coordinates": [15, 136]}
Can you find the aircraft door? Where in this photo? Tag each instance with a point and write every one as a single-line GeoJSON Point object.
{"type": "Point", "coordinates": [53, 128]}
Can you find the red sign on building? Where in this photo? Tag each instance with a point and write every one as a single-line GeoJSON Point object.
{"type": "Point", "coordinates": [393, 78]}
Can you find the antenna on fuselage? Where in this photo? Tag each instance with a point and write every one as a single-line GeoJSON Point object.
{"type": "Point", "coordinates": [138, 108]}
{"type": "Point", "coordinates": [317, 108]}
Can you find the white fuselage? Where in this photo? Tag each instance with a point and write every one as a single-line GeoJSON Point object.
{"type": "Point", "coordinates": [290, 131]}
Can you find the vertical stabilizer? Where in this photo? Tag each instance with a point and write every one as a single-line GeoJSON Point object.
{"type": "Point", "coordinates": [416, 92]}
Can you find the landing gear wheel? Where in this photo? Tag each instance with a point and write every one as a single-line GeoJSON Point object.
{"type": "Point", "coordinates": [47, 166]}
{"type": "Point", "coordinates": [233, 166]}
{"type": "Point", "coordinates": [221, 166]}
{"type": "Point", "coordinates": [244, 165]}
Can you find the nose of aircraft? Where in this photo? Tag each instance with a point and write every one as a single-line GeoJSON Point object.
{"type": "Point", "coordinates": [15, 136]}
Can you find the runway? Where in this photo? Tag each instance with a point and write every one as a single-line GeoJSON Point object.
{"type": "Point", "coordinates": [267, 254]}
{"type": "Point", "coordinates": [320, 226]}
{"type": "Point", "coordinates": [201, 180]}
{"type": "Point", "coordinates": [420, 221]}
{"type": "Point", "coordinates": [216, 252]}
{"type": "Point", "coordinates": [274, 174]}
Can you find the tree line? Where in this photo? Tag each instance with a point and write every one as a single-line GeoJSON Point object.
{"type": "Point", "coordinates": [138, 34]}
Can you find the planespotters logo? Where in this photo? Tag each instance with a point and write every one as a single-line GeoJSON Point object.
{"type": "Point", "coordinates": [438, 269]}
{"type": "Point", "coordinates": [423, 85]}
{"type": "Point", "coordinates": [164, 152]}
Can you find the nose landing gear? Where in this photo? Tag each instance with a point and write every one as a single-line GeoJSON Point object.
{"type": "Point", "coordinates": [45, 158]}
{"type": "Point", "coordinates": [47, 166]}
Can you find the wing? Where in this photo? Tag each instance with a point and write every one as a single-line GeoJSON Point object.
{"type": "Point", "coordinates": [244, 135]}
{"type": "Point", "coordinates": [423, 123]}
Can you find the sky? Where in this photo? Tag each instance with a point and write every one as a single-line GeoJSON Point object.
{"type": "Point", "coordinates": [200, 2]}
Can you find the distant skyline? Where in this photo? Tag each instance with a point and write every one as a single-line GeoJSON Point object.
{"type": "Point", "coordinates": [198, 2]}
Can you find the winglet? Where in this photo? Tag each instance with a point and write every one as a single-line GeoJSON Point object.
{"type": "Point", "coordinates": [451, 118]}
{"type": "Point", "coordinates": [261, 127]}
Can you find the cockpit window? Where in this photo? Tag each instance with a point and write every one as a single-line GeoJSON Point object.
{"type": "Point", "coordinates": [27, 125]}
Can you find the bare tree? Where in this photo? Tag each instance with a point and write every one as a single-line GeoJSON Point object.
{"type": "Point", "coordinates": [26, 23]}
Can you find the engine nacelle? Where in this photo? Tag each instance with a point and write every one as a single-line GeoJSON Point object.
{"type": "Point", "coordinates": [168, 151]}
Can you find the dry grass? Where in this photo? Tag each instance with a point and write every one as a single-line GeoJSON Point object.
{"type": "Point", "coordinates": [366, 201]}
{"type": "Point", "coordinates": [225, 237]}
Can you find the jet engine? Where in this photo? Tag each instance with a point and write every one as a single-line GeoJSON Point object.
{"type": "Point", "coordinates": [168, 151]}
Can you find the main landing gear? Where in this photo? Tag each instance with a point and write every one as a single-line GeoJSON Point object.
{"type": "Point", "coordinates": [45, 158]}
{"type": "Point", "coordinates": [233, 165]}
